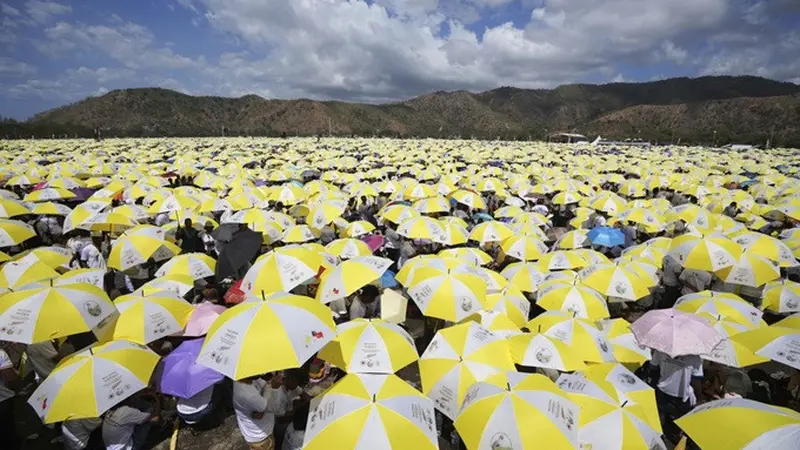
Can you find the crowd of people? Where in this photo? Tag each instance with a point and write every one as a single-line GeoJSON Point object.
{"type": "Point", "coordinates": [272, 409]}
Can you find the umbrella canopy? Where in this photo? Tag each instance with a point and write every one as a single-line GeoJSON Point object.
{"type": "Point", "coordinates": [91, 381]}
{"type": "Point", "coordinates": [380, 412]}
{"type": "Point", "coordinates": [675, 333]}
{"type": "Point", "coordinates": [370, 346]}
{"type": "Point", "coordinates": [182, 376]}
{"type": "Point", "coordinates": [280, 332]}
{"type": "Point", "coordinates": [518, 411]}
{"type": "Point", "coordinates": [282, 269]}
{"type": "Point", "coordinates": [456, 358]}
{"type": "Point", "coordinates": [742, 424]}
{"type": "Point", "coordinates": [606, 236]}
{"type": "Point", "coordinates": [144, 319]}
{"type": "Point", "coordinates": [350, 276]}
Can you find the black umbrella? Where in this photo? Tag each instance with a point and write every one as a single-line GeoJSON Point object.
{"type": "Point", "coordinates": [239, 251]}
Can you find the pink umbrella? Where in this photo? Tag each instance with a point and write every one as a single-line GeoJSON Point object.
{"type": "Point", "coordinates": [675, 333]}
{"type": "Point", "coordinates": [373, 241]}
{"type": "Point", "coordinates": [201, 319]}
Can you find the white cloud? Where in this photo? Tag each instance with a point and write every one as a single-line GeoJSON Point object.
{"type": "Point", "coordinates": [132, 45]}
{"type": "Point", "coordinates": [9, 10]}
{"type": "Point", "coordinates": [674, 53]}
{"type": "Point", "coordinates": [12, 68]}
{"type": "Point", "coordinates": [42, 11]}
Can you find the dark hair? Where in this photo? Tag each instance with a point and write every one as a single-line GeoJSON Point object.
{"type": "Point", "coordinates": [300, 416]}
{"type": "Point", "coordinates": [370, 291]}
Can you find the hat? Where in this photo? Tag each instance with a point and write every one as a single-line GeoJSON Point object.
{"type": "Point", "coordinates": [208, 225]}
{"type": "Point", "coordinates": [318, 370]}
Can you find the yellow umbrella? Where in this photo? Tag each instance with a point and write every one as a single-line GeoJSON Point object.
{"type": "Point", "coordinates": [580, 334]}
{"type": "Point", "coordinates": [525, 276]}
{"type": "Point", "coordinates": [350, 276]}
{"type": "Point", "coordinates": [13, 232]}
{"type": "Point", "coordinates": [41, 314]}
{"type": "Point", "coordinates": [348, 248]}
{"type": "Point", "coordinates": [448, 296]}
{"type": "Point", "coordinates": [705, 252]}
{"type": "Point", "coordinates": [518, 411]}
{"type": "Point", "coordinates": [617, 281]}
{"type": "Point", "coordinates": [282, 269]}
{"type": "Point", "coordinates": [492, 231]}
{"type": "Point", "coordinates": [370, 346]}
{"type": "Point", "coordinates": [740, 423]}
{"type": "Point", "coordinates": [524, 248]}
{"type": "Point", "coordinates": [380, 412]}
{"type": "Point", "coordinates": [88, 383]}
{"type": "Point", "coordinates": [538, 350]}
{"type": "Point", "coordinates": [573, 298]}
{"type": "Point", "coordinates": [144, 319]}
{"type": "Point", "coordinates": [257, 337]}
{"type": "Point", "coordinates": [456, 358]}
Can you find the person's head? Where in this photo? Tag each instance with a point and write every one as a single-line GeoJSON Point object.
{"type": "Point", "coordinates": [369, 293]}
{"type": "Point", "coordinates": [209, 227]}
{"type": "Point", "coordinates": [211, 294]}
{"type": "Point", "coordinates": [187, 223]}
{"type": "Point", "coordinates": [292, 379]}
{"type": "Point", "coordinates": [733, 205]}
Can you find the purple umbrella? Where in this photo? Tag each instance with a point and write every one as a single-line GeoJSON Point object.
{"type": "Point", "coordinates": [82, 194]}
{"type": "Point", "coordinates": [675, 333]}
{"type": "Point", "coordinates": [181, 376]}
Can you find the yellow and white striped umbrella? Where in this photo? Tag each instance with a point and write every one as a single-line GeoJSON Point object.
{"type": "Point", "coordinates": [781, 296]}
{"type": "Point", "coordinates": [370, 346]}
{"type": "Point", "coordinates": [562, 259]}
{"type": "Point", "coordinates": [282, 269]}
{"type": "Point", "coordinates": [573, 298]}
{"type": "Point", "coordinates": [88, 383]}
{"type": "Point", "coordinates": [11, 208]}
{"type": "Point", "coordinates": [25, 271]}
{"type": "Point", "coordinates": [51, 209]}
{"type": "Point", "coordinates": [350, 276]}
{"type": "Point", "coordinates": [496, 322]}
{"type": "Point", "coordinates": [705, 252]}
{"type": "Point", "coordinates": [397, 213]}
{"type": "Point", "coordinates": [419, 191]}
{"type": "Point", "coordinates": [408, 274]}
{"type": "Point", "coordinates": [423, 228]}
{"type": "Point", "coordinates": [348, 248]}
{"type": "Point", "coordinates": [358, 228]}
{"type": "Point", "coordinates": [147, 318]}
{"type": "Point", "coordinates": [696, 217]}
{"type": "Point", "coordinates": [730, 352]}
{"type": "Point", "coordinates": [525, 276]}
{"type": "Point", "coordinates": [470, 199]}
{"type": "Point", "coordinates": [518, 411]}
{"type": "Point", "coordinates": [375, 411]}
{"type": "Point", "coordinates": [175, 284]}
{"type": "Point", "coordinates": [458, 357]}
{"type": "Point", "coordinates": [138, 245]}
{"type": "Point", "coordinates": [48, 194]}
{"type": "Point", "coordinates": [524, 248]}
{"type": "Point", "coordinates": [55, 257]}
{"type": "Point", "coordinates": [617, 281]}
{"type": "Point", "coordinates": [471, 255]}
{"type": "Point", "coordinates": [580, 334]}
{"type": "Point", "coordinates": [768, 247]}
{"type": "Point", "coordinates": [608, 419]}
{"type": "Point", "coordinates": [195, 265]}
{"type": "Point", "coordinates": [288, 194]}
{"type": "Point", "coordinates": [538, 350]}
{"type": "Point", "coordinates": [776, 343]}
{"type": "Point", "coordinates": [650, 220]}
{"type": "Point", "coordinates": [608, 202]}
{"type": "Point", "coordinates": [13, 232]}
{"type": "Point", "coordinates": [432, 205]}
{"type": "Point", "coordinates": [567, 198]}
{"type": "Point", "coordinates": [573, 240]}
{"type": "Point", "coordinates": [173, 203]}
{"type": "Point", "coordinates": [448, 296]}
{"type": "Point", "coordinates": [628, 386]}
{"type": "Point", "coordinates": [455, 233]}
{"type": "Point", "coordinates": [511, 302]}
{"type": "Point", "coordinates": [647, 253]}
{"type": "Point", "coordinates": [253, 338]}
{"type": "Point", "coordinates": [215, 205]}
{"type": "Point", "coordinates": [720, 304]}
{"type": "Point", "coordinates": [299, 234]}
{"type": "Point", "coordinates": [624, 345]}
{"type": "Point", "coordinates": [741, 424]}
{"type": "Point", "coordinates": [492, 231]}
{"type": "Point", "coordinates": [42, 314]}
{"type": "Point", "coordinates": [324, 213]}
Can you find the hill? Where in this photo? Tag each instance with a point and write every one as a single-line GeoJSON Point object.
{"type": "Point", "coordinates": [741, 109]}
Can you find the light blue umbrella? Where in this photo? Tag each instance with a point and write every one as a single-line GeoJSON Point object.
{"type": "Point", "coordinates": [606, 236]}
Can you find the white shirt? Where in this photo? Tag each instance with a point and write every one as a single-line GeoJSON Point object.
{"type": "Point", "coordinates": [5, 363]}
{"type": "Point", "coordinates": [196, 403]}
{"type": "Point", "coordinates": [359, 309]}
{"type": "Point", "coordinates": [119, 426]}
{"type": "Point", "coordinates": [92, 257]}
{"type": "Point", "coordinates": [599, 221]}
{"type": "Point", "coordinates": [541, 209]}
{"type": "Point", "coordinates": [162, 219]}
{"type": "Point", "coordinates": [249, 399]}
{"type": "Point", "coordinates": [293, 439]}
{"type": "Point", "coordinates": [676, 375]}
{"type": "Point", "coordinates": [77, 432]}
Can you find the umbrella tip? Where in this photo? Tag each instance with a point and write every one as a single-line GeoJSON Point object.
{"type": "Point", "coordinates": [624, 403]}
{"type": "Point", "coordinates": [374, 396]}
{"type": "Point", "coordinates": [263, 297]}
{"type": "Point", "coordinates": [508, 386]}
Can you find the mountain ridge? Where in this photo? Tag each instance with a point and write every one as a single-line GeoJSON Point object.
{"type": "Point", "coordinates": [734, 105]}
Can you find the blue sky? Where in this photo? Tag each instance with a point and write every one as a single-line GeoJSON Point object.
{"type": "Point", "coordinates": [57, 52]}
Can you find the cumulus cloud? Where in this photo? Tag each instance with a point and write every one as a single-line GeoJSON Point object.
{"type": "Point", "coordinates": [13, 68]}
{"type": "Point", "coordinates": [42, 11]}
{"type": "Point", "coordinates": [386, 50]}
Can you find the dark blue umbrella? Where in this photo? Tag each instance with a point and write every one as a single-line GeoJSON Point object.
{"type": "Point", "coordinates": [606, 236]}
